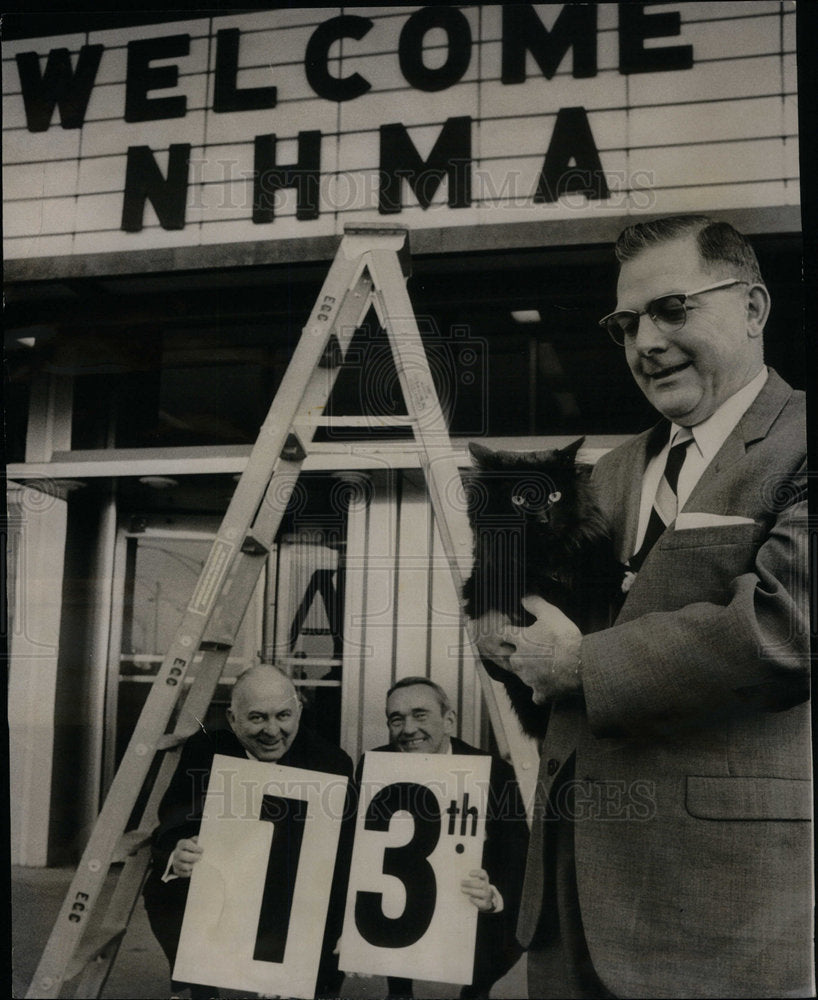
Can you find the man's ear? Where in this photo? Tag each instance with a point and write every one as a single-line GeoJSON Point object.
{"type": "Point", "coordinates": [450, 721]}
{"type": "Point", "coordinates": [231, 718]}
{"type": "Point", "coordinates": [758, 309]}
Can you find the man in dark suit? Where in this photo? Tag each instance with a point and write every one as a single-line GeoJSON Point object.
{"type": "Point", "coordinates": [671, 847]}
{"type": "Point", "coordinates": [420, 719]}
{"type": "Point", "coordinates": [264, 717]}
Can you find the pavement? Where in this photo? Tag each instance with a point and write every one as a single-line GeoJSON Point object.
{"type": "Point", "coordinates": [140, 971]}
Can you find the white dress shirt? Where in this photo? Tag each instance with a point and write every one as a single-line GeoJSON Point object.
{"type": "Point", "coordinates": [708, 437]}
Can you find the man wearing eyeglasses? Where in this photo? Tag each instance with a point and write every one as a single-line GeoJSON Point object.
{"type": "Point", "coordinates": [671, 848]}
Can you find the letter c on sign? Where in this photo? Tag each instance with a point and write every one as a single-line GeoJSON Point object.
{"type": "Point", "coordinates": [316, 58]}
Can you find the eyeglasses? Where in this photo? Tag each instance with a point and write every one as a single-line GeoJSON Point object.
{"type": "Point", "coordinates": [668, 312]}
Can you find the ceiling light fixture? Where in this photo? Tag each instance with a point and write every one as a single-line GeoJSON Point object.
{"type": "Point", "coordinates": [526, 315]}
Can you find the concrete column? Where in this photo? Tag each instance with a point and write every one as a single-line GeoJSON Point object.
{"type": "Point", "coordinates": [37, 533]}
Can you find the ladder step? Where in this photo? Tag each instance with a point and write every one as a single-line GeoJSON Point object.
{"type": "Point", "coordinates": [93, 947]}
{"type": "Point", "coordinates": [376, 420]}
{"type": "Point", "coordinates": [214, 646]}
{"type": "Point", "coordinates": [171, 740]}
{"type": "Point", "coordinates": [130, 843]}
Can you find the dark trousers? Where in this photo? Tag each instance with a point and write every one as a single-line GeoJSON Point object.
{"type": "Point", "coordinates": [400, 988]}
{"type": "Point", "coordinates": [559, 963]}
{"type": "Point", "coordinates": [165, 906]}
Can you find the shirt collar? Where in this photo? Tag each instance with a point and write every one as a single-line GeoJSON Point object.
{"type": "Point", "coordinates": [710, 434]}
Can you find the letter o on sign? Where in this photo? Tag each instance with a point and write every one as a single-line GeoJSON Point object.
{"type": "Point", "coordinates": [410, 48]}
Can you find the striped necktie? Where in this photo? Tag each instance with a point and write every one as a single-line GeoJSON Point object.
{"type": "Point", "coordinates": [666, 502]}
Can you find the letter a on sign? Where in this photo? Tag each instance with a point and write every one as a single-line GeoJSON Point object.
{"type": "Point", "coordinates": [420, 830]}
{"type": "Point", "coordinates": [257, 905]}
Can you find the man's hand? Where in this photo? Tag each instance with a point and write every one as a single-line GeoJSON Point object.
{"type": "Point", "coordinates": [486, 633]}
{"type": "Point", "coordinates": [545, 655]}
{"type": "Point", "coordinates": [184, 857]}
{"type": "Point", "coordinates": [479, 890]}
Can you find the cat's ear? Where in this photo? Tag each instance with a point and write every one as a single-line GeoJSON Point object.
{"type": "Point", "coordinates": [483, 457]}
{"type": "Point", "coordinates": [568, 455]}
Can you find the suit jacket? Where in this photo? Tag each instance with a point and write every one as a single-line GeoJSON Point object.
{"type": "Point", "coordinates": [691, 750]}
{"type": "Point", "coordinates": [504, 854]}
{"type": "Point", "coordinates": [180, 812]}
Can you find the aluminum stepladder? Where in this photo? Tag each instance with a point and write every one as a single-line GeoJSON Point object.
{"type": "Point", "coordinates": [366, 272]}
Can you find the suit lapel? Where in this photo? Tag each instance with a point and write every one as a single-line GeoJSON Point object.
{"type": "Point", "coordinates": [753, 426]}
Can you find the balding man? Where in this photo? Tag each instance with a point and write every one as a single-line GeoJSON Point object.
{"type": "Point", "coordinates": [264, 718]}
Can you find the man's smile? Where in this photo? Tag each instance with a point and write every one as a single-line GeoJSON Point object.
{"type": "Point", "coordinates": [413, 741]}
{"type": "Point", "coordinates": [661, 373]}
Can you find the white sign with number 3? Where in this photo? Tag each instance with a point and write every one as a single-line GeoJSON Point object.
{"type": "Point", "coordinates": [258, 897]}
{"type": "Point", "coordinates": [419, 832]}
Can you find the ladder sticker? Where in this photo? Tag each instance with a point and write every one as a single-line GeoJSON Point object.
{"type": "Point", "coordinates": [423, 394]}
{"type": "Point", "coordinates": [209, 585]}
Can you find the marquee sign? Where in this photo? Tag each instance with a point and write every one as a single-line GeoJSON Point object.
{"type": "Point", "coordinates": [288, 123]}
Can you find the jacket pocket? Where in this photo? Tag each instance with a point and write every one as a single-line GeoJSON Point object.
{"type": "Point", "coordinates": [748, 534]}
{"type": "Point", "coordinates": [748, 798]}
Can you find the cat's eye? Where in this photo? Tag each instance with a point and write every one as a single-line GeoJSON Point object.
{"type": "Point", "coordinates": [554, 497]}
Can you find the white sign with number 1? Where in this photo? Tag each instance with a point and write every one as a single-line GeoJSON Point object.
{"type": "Point", "coordinates": [420, 830]}
{"type": "Point", "coordinates": [258, 897]}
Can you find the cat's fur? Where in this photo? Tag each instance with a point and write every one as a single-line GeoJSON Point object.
{"type": "Point", "coordinates": [538, 530]}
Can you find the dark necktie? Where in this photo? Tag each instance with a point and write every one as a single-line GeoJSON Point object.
{"type": "Point", "coordinates": [666, 502]}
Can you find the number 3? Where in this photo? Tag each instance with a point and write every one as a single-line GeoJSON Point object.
{"type": "Point", "coordinates": [408, 863]}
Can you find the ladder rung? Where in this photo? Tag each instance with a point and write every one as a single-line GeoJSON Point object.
{"type": "Point", "coordinates": [376, 420]}
{"type": "Point", "coordinates": [171, 740]}
{"type": "Point", "coordinates": [92, 947]}
{"type": "Point", "coordinates": [130, 843]}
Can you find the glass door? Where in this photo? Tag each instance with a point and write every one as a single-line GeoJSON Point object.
{"type": "Point", "coordinates": [157, 566]}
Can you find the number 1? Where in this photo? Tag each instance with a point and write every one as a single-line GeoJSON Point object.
{"type": "Point", "coordinates": [288, 817]}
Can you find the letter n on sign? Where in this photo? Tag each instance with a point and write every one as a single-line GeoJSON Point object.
{"type": "Point", "coordinates": [419, 832]}
{"type": "Point", "coordinates": [258, 899]}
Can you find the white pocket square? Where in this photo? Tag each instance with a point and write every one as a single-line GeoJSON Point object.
{"type": "Point", "coordinates": [686, 521]}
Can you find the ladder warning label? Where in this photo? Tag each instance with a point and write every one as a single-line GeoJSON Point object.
{"type": "Point", "coordinates": [209, 583]}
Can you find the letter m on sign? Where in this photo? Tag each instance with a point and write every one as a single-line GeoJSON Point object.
{"type": "Point", "coordinates": [59, 85]}
{"type": "Point", "coordinates": [450, 158]}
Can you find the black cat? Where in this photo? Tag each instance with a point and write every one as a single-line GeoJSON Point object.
{"type": "Point", "coordinates": [538, 530]}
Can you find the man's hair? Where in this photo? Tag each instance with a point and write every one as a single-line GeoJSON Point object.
{"type": "Point", "coordinates": [244, 677]}
{"type": "Point", "coordinates": [442, 697]}
{"type": "Point", "coordinates": [721, 246]}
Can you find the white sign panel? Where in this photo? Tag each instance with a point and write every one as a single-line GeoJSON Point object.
{"type": "Point", "coordinates": [258, 897]}
{"type": "Point", "coordinates": [420, 831]}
